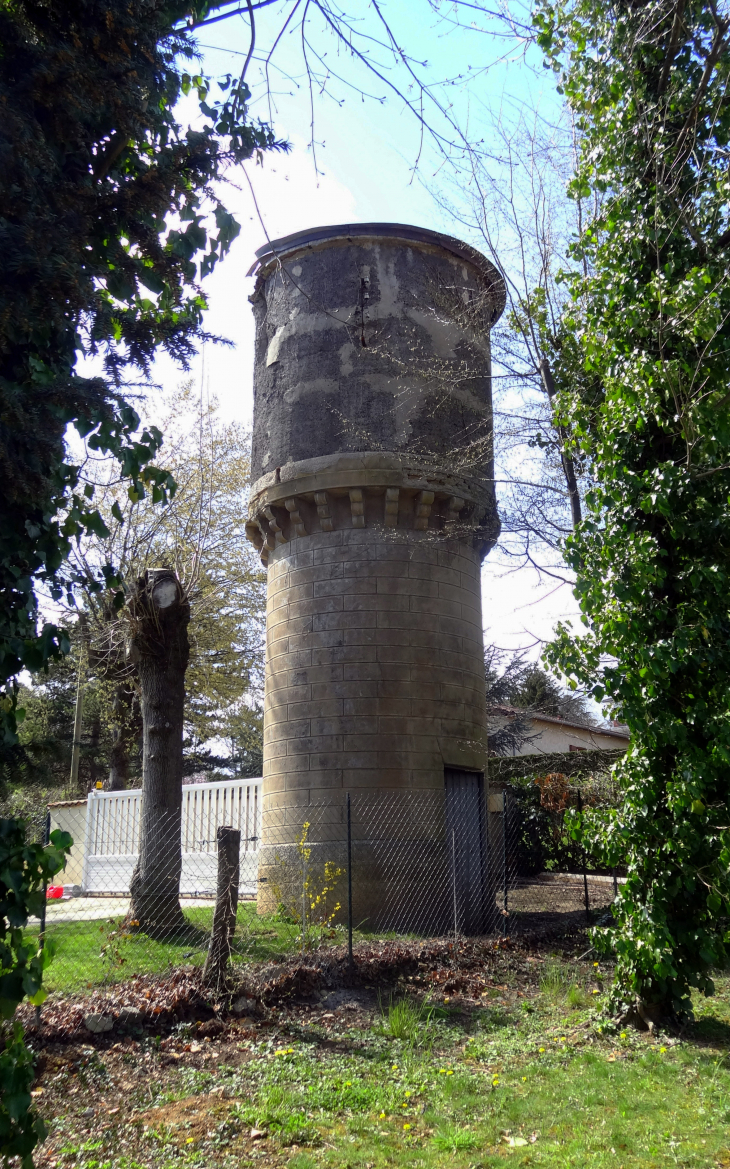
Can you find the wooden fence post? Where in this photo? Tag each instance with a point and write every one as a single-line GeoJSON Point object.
{"type": "Point", "coordinates": [226, 905]}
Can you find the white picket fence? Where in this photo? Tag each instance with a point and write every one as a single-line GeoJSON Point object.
{"type": "Point", "coordinates": [111, 838]}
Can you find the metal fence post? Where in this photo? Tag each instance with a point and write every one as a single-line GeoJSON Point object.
{"type": "Point", "coordinates": [585, 868]}
{"type": "Point", "coordinates": [42, 930]}
{"type": "Point", "coordinates": [453, 871]}
{"type": "Point", "coordinates": [351, 960]}
{"type": "Point", "coordinates": [304, 904]}
{"type": "Point", "coordinates": [505, 874]}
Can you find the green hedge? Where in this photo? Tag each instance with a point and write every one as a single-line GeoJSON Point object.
{"type": "Point", "coordinates": [539, 838]}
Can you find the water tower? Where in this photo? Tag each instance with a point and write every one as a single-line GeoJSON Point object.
{"type": "Point", "coordinates": [373, 506]}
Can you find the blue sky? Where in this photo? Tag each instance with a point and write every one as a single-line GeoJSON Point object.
{"type": "Point", "coordinates": [365, 154]}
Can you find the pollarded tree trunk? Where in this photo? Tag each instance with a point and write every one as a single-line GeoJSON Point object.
{"type": "Point", "coordinates": [160, 615]}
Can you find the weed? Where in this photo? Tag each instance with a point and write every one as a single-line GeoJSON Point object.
{"type": "Point", "coordinates": [408, 1021]}
{"type": "Point", "coordinates": [576, 997]}
{"type": "Point", "coordinates": [281, 1112]}
{"type": "Point", "coordinates": [555, 980]}
{"type": "Point", "coordinates": [183, 1030]}
{"type": "Point", "coordinates": [558, 984]}
{"type": "Point", "coordinates": [115, 933]}
{"type": "Point", "coordinates": [403, 1019]}
{"type": "Point", "coordinates": [450, 1139]}
{"type": "Point", "coordinates": [306, 900]}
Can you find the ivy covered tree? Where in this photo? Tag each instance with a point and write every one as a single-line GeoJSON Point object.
{"type": "Point", "coordinates": [25, 869]}
{"type": "Point", "coordinates": [108, 222]}
{"type": "Point", "coordinates": [650, 311]}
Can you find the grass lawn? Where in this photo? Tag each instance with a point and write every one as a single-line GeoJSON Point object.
{"type": "Point", "coordinates": [530, 1078]}
{"type": "Point", "coordinates": [92, 952]}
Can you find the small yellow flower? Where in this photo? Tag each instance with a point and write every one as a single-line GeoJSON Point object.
{"type": "Point", "coordinates": [524, 1079]}
{"type": "Point", "coordinates": [596, 992]}
{"type": "Point", "coordinates": [348, 1083]}
{"type": "Point", "coordinates": [408, 1093]}
{"type": "Point", "coordinates": [446, 998]}
{"type": "Point", "coordinates": [541, 1050]}
{"type": "Point", "coordinates": [394, 1067]}
{"type": "Point", "coordinates": [662, 1050]}
{"type": "Point", "coordinates": [290, 1051]}
{"type": "Point", "coordinates": [624, 1035]}
{"type": "Point", "coordinates": [190, 1140]}
{"type": "Point", "coordinates": [449, 1072]}
{"type": "Point", "coordinates": [406, 1127]}
{"type": "Point", "coordinates": [595, 963]}
{"type": "Point", "coordinates": [382, 1116]}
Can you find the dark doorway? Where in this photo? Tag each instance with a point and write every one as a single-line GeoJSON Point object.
{"type": "Point", "coordinates": [467, 849]}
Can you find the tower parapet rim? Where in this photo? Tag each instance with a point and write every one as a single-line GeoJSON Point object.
{"type": "Point", "coordinates": [286, 248]}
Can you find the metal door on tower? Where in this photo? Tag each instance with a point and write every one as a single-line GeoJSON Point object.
{"type": "Point", "coordinates": [467, 849]}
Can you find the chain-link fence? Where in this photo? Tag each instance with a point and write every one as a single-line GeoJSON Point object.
{"type": "Point", "coordinates": [546, 875]}
{"type": "Point", "coordinates": [144, 893]}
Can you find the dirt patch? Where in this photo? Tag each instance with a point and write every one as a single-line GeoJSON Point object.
{"type": "Point", "coordinates": [190, 1120]}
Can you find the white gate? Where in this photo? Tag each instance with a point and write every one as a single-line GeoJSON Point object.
{"type": "Point", "coordinates": [111, 841]}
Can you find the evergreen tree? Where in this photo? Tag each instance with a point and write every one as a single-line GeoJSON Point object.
{"type": "Point", "coordinates": [108, 222]}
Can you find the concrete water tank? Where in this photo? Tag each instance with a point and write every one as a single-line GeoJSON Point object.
{"type": "Point", "coordinates": [372, 505]}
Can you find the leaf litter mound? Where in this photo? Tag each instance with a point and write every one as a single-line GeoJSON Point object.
{"type": "Point", "coordinates": [155, 1004]}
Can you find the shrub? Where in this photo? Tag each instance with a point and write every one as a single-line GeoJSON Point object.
{"type": "Point", "coordinates": [25, 868]}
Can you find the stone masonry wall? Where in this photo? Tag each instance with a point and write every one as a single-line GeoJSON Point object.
{"type": "Point", "coordinates": [374, 666]}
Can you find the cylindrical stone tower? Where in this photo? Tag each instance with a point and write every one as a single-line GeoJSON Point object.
{"type": "Point", "coordinates": [373, 505]}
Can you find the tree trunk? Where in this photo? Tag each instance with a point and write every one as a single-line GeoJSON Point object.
{"type": "Point", "coordinates": [94, 737]}
{"type": "Point", "coordinates": [160, 615]}
{"type": "Point", "coordinates": [571, 481]}
{"type": "Point", "coordinates": [118, 778]}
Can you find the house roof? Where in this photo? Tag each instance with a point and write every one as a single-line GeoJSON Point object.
{"type": "Point", "coordinates": [616, 732]}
